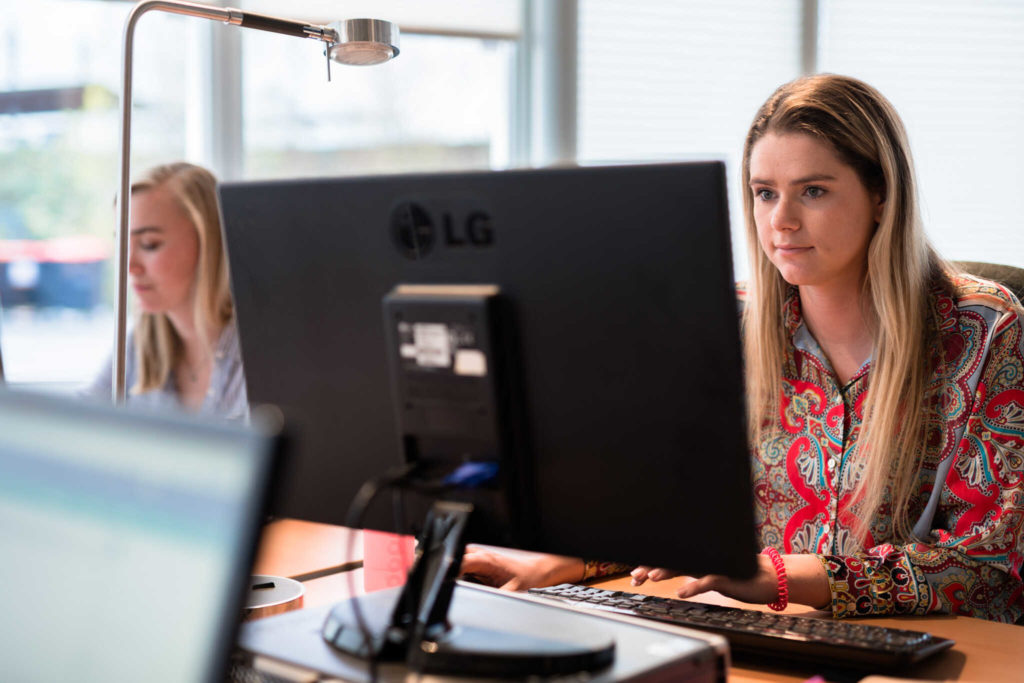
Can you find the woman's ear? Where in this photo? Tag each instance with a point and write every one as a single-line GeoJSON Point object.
{"type": "Point", "coordinates": [879, 207]}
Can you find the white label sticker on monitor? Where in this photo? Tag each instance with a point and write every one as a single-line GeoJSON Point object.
{"type": "Point", "coordinates": [471, 362]}
{"type": "Point", "coordinates": [433, 345]}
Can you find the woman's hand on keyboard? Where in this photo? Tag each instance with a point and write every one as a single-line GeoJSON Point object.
{"type": "Point", "coordinates": [517, 570]}
{"type": "Point", "coordinates": [808, 582]}
{"type": "Point", "coordinates": [762, 588]}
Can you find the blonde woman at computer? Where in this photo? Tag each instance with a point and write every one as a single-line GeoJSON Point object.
{"type": "Point", "coordinates": [183, 350]}
{"type": "Point", "coordinates": [887, 388]}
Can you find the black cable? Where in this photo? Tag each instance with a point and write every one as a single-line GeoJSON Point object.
{"type": "Point", "coordinates": [354, 520]}
{"type": "Point", "coordinates": [398, 494]}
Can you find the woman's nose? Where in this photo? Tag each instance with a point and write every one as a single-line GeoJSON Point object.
{"type": "Point", "coordinates": [784, 216]}
{"type": "Point", "coordinates": [134, 265]}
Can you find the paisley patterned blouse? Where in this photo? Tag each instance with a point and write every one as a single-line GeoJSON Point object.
{"type": "Point", "coordinates": [969, 504]}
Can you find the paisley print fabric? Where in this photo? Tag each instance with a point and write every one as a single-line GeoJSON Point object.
{"type": "Point", "coordinates": [969, 502]}
{"type": "Point", "coordinates": [595, 569]}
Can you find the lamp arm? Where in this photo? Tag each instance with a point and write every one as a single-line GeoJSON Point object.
{"type": "Point", "coordinates": [228, 15]}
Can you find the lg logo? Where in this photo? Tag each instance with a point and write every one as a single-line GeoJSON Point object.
{"type": "Point", "coordinates": [416, 233]}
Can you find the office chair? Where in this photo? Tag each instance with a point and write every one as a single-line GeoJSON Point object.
{"type": "Point", "coordinates": [1010, 277]}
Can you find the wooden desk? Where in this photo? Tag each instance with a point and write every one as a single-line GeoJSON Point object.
{"type": "Point", "coordinates": [307, 550]}
{"type": "Point", "coordinates": [985, 651]}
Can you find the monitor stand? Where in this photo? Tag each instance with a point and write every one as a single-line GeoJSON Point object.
{"type": "Point", "coordinates": [419, 634]}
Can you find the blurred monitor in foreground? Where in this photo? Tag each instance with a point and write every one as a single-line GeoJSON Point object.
{"type": "Point", "coordinates": [128, 541]}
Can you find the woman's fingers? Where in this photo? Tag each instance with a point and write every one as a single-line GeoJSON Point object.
{"type": "Point", "coordinates": [763, 588]}
{"type": "Point", "coordinates": [639, 575]}
{"type": "Point", "coordinates": [660, 574]}
{"type": "Point", "coordinates": [698, 585]}
{"type": "Point", "coordinates": [485, 567]}
{"type": "Point", "coordinates": [513, 584]}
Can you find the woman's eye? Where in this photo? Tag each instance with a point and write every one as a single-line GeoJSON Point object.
{"type": "Point", "coordinates": [150, 246]}
{"type": "Point", "coordinates": [763, 195]}
{"type": "Point", "coordinates": [814, 192]}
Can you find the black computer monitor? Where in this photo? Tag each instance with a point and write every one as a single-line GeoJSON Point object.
{"type": "Point", "coordinates": [611, 331]}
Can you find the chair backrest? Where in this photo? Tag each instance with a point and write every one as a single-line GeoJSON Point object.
{"type": "Point", "coordinates": [1010, 277]}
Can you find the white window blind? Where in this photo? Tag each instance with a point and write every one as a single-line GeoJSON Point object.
{"type": "Point", "coordinates": [670, 79]}
{"type": "Point", "coordinates": [955, 72]}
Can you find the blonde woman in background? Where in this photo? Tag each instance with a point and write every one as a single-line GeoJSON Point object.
{"type": "Point", "coordinates": [183, 351]}
{"type": "Point", "coordinates": [888, 389]}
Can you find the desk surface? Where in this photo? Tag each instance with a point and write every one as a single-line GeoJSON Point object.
{"type": "Point", "coordinates": [984, 651]}
{"type": "Point", "coordinates": [307, 550]}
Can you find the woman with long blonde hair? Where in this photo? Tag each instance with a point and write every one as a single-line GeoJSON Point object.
{"type": "Point", "coordinates": [885, 389]}
{"type": "Point", "coordinates": [183, 350]}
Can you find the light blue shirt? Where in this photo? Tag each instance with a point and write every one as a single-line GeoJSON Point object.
{"type": "Point", "coordinates": [226, 398]}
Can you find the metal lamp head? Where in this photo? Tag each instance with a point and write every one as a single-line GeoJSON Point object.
{"type": "Point", "coordinates": [363, 42]}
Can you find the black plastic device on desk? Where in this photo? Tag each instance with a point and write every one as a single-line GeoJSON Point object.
{"type": "Point", "coordinates": [752, 633]}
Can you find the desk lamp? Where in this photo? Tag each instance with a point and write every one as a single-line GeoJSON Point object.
{"type": "Point", "coordinates": [359, 42]}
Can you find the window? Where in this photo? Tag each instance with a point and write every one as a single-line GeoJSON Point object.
{"type": "Point", "coordinates": [442, 104]}
{"type": "Point", "coordinates": [58, 172]}
{"type": "Point", "coordinates": [682, 80]}
{"type": "Point", "coordinates": [658, 80]}
{"type": "Point", "coordinates": [672, 80]}
{"type": "Point", "coordinates": [953, 71]}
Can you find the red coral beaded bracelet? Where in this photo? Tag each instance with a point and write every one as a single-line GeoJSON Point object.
{"type": "Point", "coordinates": [782, 601]}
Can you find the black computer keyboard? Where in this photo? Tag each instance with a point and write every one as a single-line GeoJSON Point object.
{"type": "Point", "coordinates": [755, 635]}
